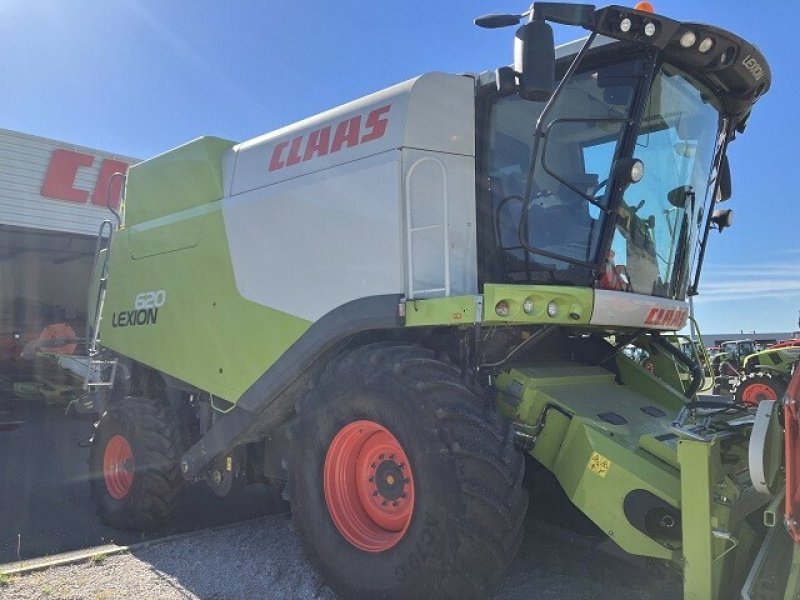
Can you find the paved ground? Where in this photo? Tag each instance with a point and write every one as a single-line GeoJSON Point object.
{"type": "Point", "coordinates": [45, 506]}
{"type": "Point", "coordinates": [262, 559]}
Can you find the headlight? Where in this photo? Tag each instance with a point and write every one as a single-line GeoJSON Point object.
{"type": "Point", "coordinates": [706, 45]}
{"type": "Point", "coordinates": [527, 306]}
{"type": "Point", "coordinates": [502, 308]}
{"type": "Point", "coordinates": [688, 39]}
{"type": "Point", "coordinates": [637, 171]}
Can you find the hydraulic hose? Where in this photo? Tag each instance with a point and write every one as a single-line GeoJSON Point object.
{"type": "Point", "coordinates": [695, 370]}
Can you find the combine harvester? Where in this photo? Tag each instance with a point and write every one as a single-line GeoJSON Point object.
{"type": "Point", "coordinates": [391, 308]}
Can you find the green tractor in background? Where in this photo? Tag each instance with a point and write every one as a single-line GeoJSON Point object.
{"type": "Point", "coordinates": [728, 361]}
{"type": "Point", "coordinates": [766, 373]}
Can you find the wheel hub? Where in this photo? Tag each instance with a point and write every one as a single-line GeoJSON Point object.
{"type": "Point", "coordinates": [118, 467]}
{"type": "Point", "coordinates": [389, 480]}
{"type": "Point", "coordinates": [756, 392]}
{"type": "Point", "coordinates": [369, 487]}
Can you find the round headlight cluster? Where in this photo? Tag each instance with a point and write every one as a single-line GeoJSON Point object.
{"type": "Point", "coordinates": [650, 29]}
{"type": "Point", "coordinates": [625, 25]}
{"type": "Point", "coordinates": [552, 308]}
{"type": "Point", "coordinates": [688, 39]}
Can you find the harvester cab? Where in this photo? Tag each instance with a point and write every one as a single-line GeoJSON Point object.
{"type": "Point", "coordinates": [486, 250]}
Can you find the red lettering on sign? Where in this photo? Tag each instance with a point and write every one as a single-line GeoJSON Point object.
{"type": "Point", "coordinates": [315, 143]}
{"type": "Point", "coordinates": [661, 317]}
{"type": "Point", "coordinates": [102, 196]}
{"type": "Point", "coordinates": [59, 181]}
{"type": "Point", "coordinates": [376, 124]}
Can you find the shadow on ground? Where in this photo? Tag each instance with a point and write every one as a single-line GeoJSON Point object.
{"type": "Point", "coordinates": [45, 507]}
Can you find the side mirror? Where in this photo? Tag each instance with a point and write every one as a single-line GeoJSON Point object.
{"type": "Point", "coordinates": [535, 60]}
{"type": "Point", "coordinates": [724, 185]}
{"type": "Point", "coordinates": [679, 196]}
{"type": "Point", "coordinates": [722, 218]}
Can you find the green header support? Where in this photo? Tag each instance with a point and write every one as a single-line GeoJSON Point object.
{"type": "Point", "coordinates": [698, 542]}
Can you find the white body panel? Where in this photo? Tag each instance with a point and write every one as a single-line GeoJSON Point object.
{"type": "Point", "coordinates": [635, 310]}
{"type": "Point", "coordinates": [374, 197]}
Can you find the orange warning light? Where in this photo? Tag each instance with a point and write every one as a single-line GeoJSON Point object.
{"type": "Point", "coordinates": [645, 7]}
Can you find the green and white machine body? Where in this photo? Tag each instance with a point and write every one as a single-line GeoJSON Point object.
{"type": "Point", "coordinates": [416, 213]}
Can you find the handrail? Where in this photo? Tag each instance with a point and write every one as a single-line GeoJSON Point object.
{"type": "Point", "coordinates": [92, 332]}
{"type": "Point", "coordinates": [706, 357]}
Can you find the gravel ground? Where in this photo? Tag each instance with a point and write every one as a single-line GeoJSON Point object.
{"type": "Point", "coordinates": [263, 559]}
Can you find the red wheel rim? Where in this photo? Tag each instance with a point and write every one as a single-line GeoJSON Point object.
{"type": "Point", "coordinates": [756, 392]}
{"type": "Point", "coordinates": [369, 487]}
{"type": "Point", "coordinates": [118, 467]}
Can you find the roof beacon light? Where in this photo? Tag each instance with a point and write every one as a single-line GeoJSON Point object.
{"type": "Point", "coordinates": [650, 29]}
{"type": "Point", "coordinates": [625, 25]}
{"type": "Point", "coordinates": [706, 45]}
{"type": "Point", "coordinates": [688, 39]}
{"type": "Point", "coordinates": [644, 7]}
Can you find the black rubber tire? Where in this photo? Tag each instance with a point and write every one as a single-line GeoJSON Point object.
{"type": "Point", "coordinates": [153, 432]}
{"type": "Point", "coordinates": [765, 379]}
{"type": "Point", "coordinates": [469, 502]}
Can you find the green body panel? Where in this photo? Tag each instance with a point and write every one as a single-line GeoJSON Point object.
{"type": "Point", "coordinates": [182, 178]}
{"type": "Point", "coordinates": [205, 333]}
{"type": "Point", "coordinates": [454, 310]}
{"type": "Point", "coordinates": [793, 584]}
{"type": "Point", "coordinates": [700, 580]}
{"type": "Point", "coordinates": [670, 397]}
{"type": "Point", "coordinates": [567, 446]}
{"type": "Point", "coordinates": [777, 361]}
{"type": "Point", "coordinates": [565, 411]}
{"type": "Point", "coordinates": [717, 543]}
{"type": "Point", "coordinates": [574, 304]}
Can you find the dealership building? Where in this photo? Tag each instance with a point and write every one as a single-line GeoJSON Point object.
{"type": "Point", "coordinates": [53, 198]}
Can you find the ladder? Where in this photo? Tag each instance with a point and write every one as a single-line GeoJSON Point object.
{"type": "Point", "coordinates": [100, 371]}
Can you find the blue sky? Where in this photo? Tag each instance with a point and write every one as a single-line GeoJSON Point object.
{"type": "Point", "coordinates": [138, 77]}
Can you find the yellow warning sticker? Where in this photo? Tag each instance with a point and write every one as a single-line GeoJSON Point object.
{"type": "Point", "coordinates": [599, 464]}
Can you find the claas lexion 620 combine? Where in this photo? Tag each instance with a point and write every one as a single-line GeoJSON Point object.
{"type": "Point", "coordinates": [394, 306]}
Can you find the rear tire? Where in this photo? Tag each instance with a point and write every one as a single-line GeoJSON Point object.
{"type": "Point", "coordinates": [757, 387]}
{"type": "Point", "coordinates": [461, 523]}
{"type": "Point", "coordinates": [134, 460]}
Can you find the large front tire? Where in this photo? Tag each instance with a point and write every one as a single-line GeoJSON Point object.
{"type": "Point", "coordinates": [403, 482]}
{"type": "Point", "coordinates": [134, 459]}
